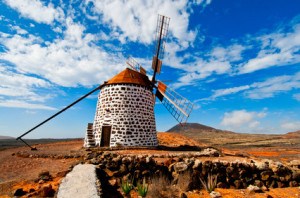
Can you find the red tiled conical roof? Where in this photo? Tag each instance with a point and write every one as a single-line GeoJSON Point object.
{"type": "Point", "coordinates": [129, 76]}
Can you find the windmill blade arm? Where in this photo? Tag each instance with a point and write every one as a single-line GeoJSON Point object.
{"type": "Point", "coordinates": [179, 107]}
{"type": "Point", "coordinates": [56, 114]}
{"type": "Point", "coordinates": [173, 103]}
{"type": "Point", "coordinates": [134, 65]}
{"type": "Point", "coordinates": [161, 33]}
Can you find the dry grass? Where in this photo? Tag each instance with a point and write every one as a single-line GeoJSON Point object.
{"type": "Point", "coordinates": [160, 187]}
{"type": "Point", "coordinates": [175, 139]}
{"type": "Point", "coordinates": [183, 181]}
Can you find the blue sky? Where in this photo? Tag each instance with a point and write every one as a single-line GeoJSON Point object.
{"type": "Point", "coordinates": [238, 61]}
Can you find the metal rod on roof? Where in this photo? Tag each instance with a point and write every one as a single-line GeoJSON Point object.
{"type": "Point", "coordinates": [56, 114]}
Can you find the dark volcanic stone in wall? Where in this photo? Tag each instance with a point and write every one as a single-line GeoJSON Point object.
{"type": "Point", "coordinates": [120, 166]}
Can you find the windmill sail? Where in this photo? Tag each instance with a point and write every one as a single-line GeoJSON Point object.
{"type": "Point", "coordinates": [133, 64]}
{"type": "Point", "coordinates": [179, 107]}
{"type": "Point", "coordinates": [161, 33]}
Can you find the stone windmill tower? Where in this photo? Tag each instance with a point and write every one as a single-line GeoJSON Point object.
{"type": "Point", "coordinates": [125, 112]}
{"type": "Point", "coordinates": [125, 108]}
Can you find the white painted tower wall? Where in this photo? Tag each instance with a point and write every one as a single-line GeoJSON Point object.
{"type": "Point", "coordinates": [129, 110]}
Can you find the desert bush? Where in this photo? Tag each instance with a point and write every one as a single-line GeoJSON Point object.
{"type": "Point", "coordinates": [183, 181]}
{"type": "Point", "coordinates": [161, 187]}
{"type": "Point", "coordinates": [211, 182]}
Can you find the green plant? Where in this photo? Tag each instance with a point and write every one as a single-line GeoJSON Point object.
{"type": "Point", "coordinates": [142, 188]}
{"type": "Point", "coordinates": [211, 182]}
{"type": "Point", "coordinates": [126, 186]}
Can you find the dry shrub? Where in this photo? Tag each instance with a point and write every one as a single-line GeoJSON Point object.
{"type": "Point", "coordinates": [183, 181]}
{"type": "Point", "coordinates": [161, 187]}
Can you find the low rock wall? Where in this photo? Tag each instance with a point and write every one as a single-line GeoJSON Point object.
{"type": "Point", "coordinates": [237, 174]}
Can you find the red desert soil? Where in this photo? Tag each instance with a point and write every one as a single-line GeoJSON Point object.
{"type": "Point", "coordinates": [19, 172]}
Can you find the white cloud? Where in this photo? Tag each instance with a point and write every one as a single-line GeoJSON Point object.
{"type": "Point", "coordinates": [21, 86]}
{"type": "Point", "coordinates": [136, 20]}
{"type": "Point", "coordinates": [69, 61]}
{"type": "Point", "coordinates": [291, 126]}
{"type": "Point", "coordinates": [25, 105]}
{"type": "Point", "coordinates": [36, 10]}
{"type": "Point", "coordinates": [278, 49]}
{"type": "Point", "coordinates": [22, 91]}
{"type": "Point", "coordinates": [219, 61]}
{"type": "Point", "coordinates": [242, 120]}
{"type": "Point", "coordinates": [272, 86]}
{"type": "Point", "coordinates": [237, 118]}
{"type": "Point", "coordinates": [297, 96]}
{"type": "Point", "coordinates": [229, 91]}
{"type": "Point", "coordinates": [265, 89]}
{"type": "Point", "coordinates": [19, 30]}
{"type": "Point", "coordinates": [232, 53]}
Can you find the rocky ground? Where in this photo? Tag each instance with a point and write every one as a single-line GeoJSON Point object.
{"type": "Point", "coordinates": [40, 172]}
{"type": "Point", "coordinates": [22, 168]}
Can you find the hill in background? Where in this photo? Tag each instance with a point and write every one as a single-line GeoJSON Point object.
{"type": "Point", "coordinates": [228, 139]}
{"type": "Point", "coordinates": [190, 126]}
{"type": "Point", "coordinates": [2, 137]}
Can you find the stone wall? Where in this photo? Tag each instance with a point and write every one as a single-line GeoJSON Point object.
{"type": "Point", "coordinates": [231, 174]}
{"type": "Point", "coordinates": [129, 110]}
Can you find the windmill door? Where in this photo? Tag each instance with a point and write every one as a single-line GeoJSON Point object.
{"type": "Point", "coordinates": [105, 136]}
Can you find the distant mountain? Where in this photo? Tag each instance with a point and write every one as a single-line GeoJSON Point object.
{"type": "Point", "coordinates": [190, 126]}
{"type": "Point", "coordinates": [228, 139]}
{"type": "Point", "coordinates": [295, 133]}
{"type": "Point", "coordinates": [5, 137]}
{"type": "Point", "coordinates": [197, 129]}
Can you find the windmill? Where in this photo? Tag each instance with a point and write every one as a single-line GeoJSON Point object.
{"type": "Point", "coordinates": [125, 108]}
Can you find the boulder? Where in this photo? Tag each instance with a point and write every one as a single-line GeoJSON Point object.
{"type": "Point", "coordinates": [261, 165]}
{"type": "Point", "coordinates": [113, 182]}
{"type": "Point", "coordinates": [47, 191]}
{"type": "Point", "coordinates": [238, 184]}
{"type": "Point", "coordinates": [215, 194]}
{"type": "Point", "coordinates": [295, 164]}
{"type": "Point", "coordinates": [293, 184]}
{"type": "Point", "coordinates": [180, 167]}
{"type": "Point", "coordinates": [197, 163]}
{"type": "Point", "coordinates": [265, 175]}
{"type": "Point", "coordinates": [258, 183]}
{"type": "Point", "coordinates": [281, 185]}
{"type": "Point", "coordinates": [183, 195]}
{"type": "Point", "coordinates": [62, 174]}
{"type": "Point", "coordinates": [19, 192]}
{"type": "Point", "coordinates": [253, 189]}
{"type": "Point", "coordinates": [122, 171]}
{"type": "Point", "coordinates": [45, 175]}
{"type": "Point", "coordinates": [296, 175]}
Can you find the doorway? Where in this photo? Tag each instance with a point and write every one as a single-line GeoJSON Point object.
{"type": "Point", "coordinates": [105, 136]}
